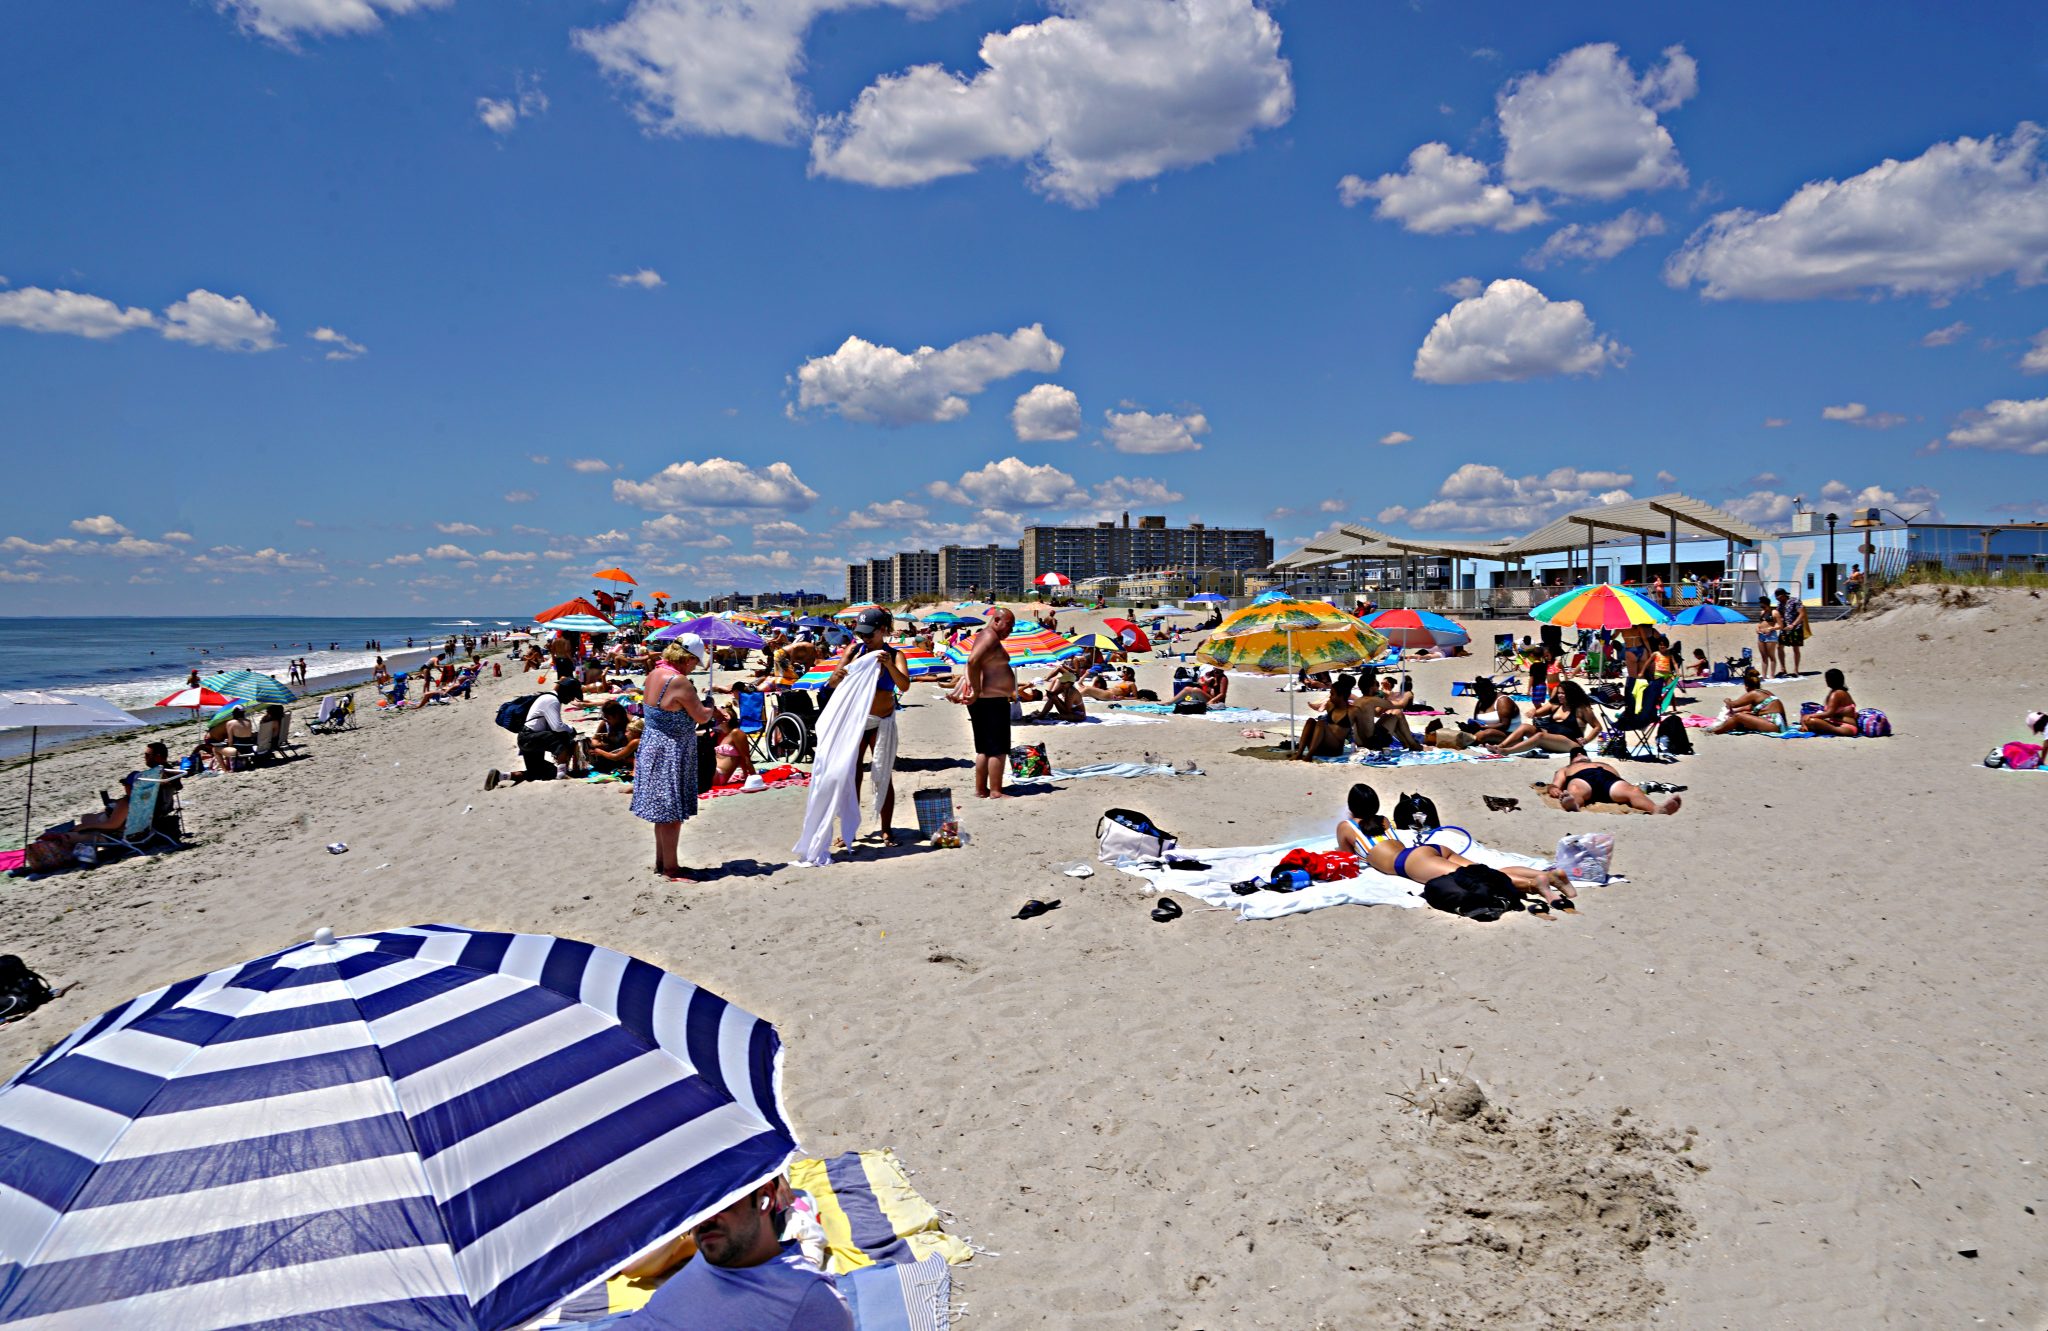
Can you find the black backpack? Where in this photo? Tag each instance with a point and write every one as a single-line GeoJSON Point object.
{"type": "Point", "coordinates": [1671, 736]}
{"type": "Point", "coordinates": [512, 713]}
{"type": "Point", "coordinates": [1473, 891]}
{"type": "Point", "coordinates": [22, 991]}
{"type": "Point", "coordinates": [1416, 812]}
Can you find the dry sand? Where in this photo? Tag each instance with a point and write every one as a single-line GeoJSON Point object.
{"type": "Point", "coordinates": [1785, 1077]}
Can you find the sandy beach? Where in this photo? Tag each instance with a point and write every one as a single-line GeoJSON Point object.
{"type": "Point", "coordinates": [1789, 1075]}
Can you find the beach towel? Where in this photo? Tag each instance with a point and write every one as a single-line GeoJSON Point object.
{"type": "Point", "coordinates": [11, 860]}
{"type": "Point", "coordinates": [1113, 720]}
{"type": "Point", "coordinates": [1234, 864]}
{"type": "Point", "coordinates": [871, 1214]}
{"type": "Point", "coordinates": [777, 778]}
{"type": "Point", "coordinates": [1417, 758]}
{"type": "Point", "coordinates": [1227, 715]}
{"type": "Point", "coordinates": [913, 1297]}
{"type": "Point", "coordinates": [833, 796]}
{"type": "Point", "coordinates": [1116, 769]}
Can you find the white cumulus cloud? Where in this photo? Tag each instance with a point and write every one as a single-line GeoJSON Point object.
{"type": "Point", "coordinates": [1763, 507]}
{"type": "Point", "coordinates": [717, 483]}
{"type": "Point", "coordinates": [886, 513]}
{"type": "Point", "coordinates": [1588, 127]}
{"type": "Point", "coordinates": [1394, 437]}
{"type": "Point", "coordinates": [644, 278]}
{"type": "Point", "coordinates": [1481, 498]}
{"type": "Point", "coordinates": [339, 347]}
{"type": "Point", "coordinates": [864, 381]}
{"type": "Point", "coordinates": [1956, 215]}
{"type": "Point", "coordinates": [1593, 242]}
{"type": "Point", "coordinates": [1102, 93]}
{"type": "Point", "coordinates": [2036, 359]}
{"type": "Point", "coordinates": [1046, 412]}
{"type": "Point", "coordinates": [98, 526]}
{"type": "Point", "coordinates": [1442, 191]}
{"type": "Point", "coordinates": [501, 115]}
{"type": "Point", "coordinates": [589, 466]}
{"type": "Point", "coordinates": [285, 20]}
{"type": "Point", "coordinates": [1513, 331]}
{"type": "Point", "coordinates": [226, 323]}
{"type": "Point", "coordinates": [2005, 426]}
{"type": "Point", "coordinates": [1012, 483]}
{"type": "Point", "coordinates": [1855, 413]}
{"type": "Point", "coordinates": [1153, 432]}
{"type": "Point", "coordinates": [1946, 334]}
{"type": "Point", "coordinates": [1462, 288]}
{"type": "Point", "coordinates": [72, 312]}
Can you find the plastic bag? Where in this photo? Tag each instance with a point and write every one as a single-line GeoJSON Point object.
{"type": "Point", "coordinates": [1586, 856]}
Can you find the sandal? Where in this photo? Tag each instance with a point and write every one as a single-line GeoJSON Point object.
{"type": "Point", "coordinates": [1167, 911]}
{"type": "Point", "coordinates": [1034, 908]}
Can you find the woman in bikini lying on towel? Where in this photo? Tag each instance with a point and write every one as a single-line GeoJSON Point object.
{"type": "Point", "coordinates": [1582, 781]}
{"type": "Point", "coordinates": [1365, 835]}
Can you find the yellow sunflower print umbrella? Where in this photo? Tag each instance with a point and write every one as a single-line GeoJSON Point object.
{"type": "Point", "coordinates": [1283, 636]}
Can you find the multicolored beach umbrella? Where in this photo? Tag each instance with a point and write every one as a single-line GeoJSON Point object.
{"type": "Point", "coordinates": [435, 1126]}
{"type": "Point", "coordinates": [1418, 628]}
{"type": "Point", "coordinates": [917, 663]}
{"type": "Point", "coordinates": [581, 624]}
{"type": "Point", "coordinates": [1600, 605]}
{"type": "Point", "coordinates": [1281, 637]}
{"type": "Point", "coordinates": [853, 611]}
{"type": "Point", "coordinates": [248, 686]}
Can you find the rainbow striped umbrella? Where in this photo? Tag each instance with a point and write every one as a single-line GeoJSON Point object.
{"type": "Point", "coordinates": [1600, 605]}
{"type": "Point", "coordinates": [917, 662]}
{"type": "Point", "coordinates": [1418, 628]}
{"type": "Point", "coordinates": [853, 611]}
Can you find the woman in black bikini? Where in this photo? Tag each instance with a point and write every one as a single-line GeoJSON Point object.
{"type": "Point", "coordinates": [1494, 714]}
{"type": "Point", "coordinates": [1324, 736]}
{"type": "Point", "coordinates": [1365, 834]}
{"type": "Point", "coordinates": [1582, 781]}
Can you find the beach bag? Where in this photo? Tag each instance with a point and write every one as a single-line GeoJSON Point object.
{"type": "Point", "coordinates": [934, 805]}
{"type": "Point", "coordinates": [1126, 834]}
{"type": "Point", "coordinates": [2018, 756]}
{"type": "Point", "coordinates": [1325, 866]}
{"type": "Point", "coordinates": [512, 713]}
{"type": "Point", "coordinates": [1671, 736]}
{"type": "Point", "coordinates": [1872, 723]}
{"type": "Point", "coordinates": [1473, 891]}
{"type": "Point", "coordinates": [22, 991]}
{"type": "Point", "coordinates": [1586, 856]}
{"type": "Point", "coordinates": [1029, 761]}
{"type": "Point", "coordinates": [1417, 812]}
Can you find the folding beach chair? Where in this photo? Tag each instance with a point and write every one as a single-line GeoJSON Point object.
{"type": "Point", "coordinates": [394, 697]}
{"type": "Point", "coordinates": [153, 815]}
{"type": "Point", "coordinates": [1632, 730]}
{"type": "Point", "coordinates": [337, 712]}
{"type": "Point", "coordinates": [1505, 656]}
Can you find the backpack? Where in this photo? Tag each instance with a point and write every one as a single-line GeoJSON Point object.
{"type": "Point", "coordinates": [22, 991]}
{"type": "Point", "coordinates": [512, 712]}
{"type": "Point", "coordinates": [2019, 756]}
{"type": "Point", "coordinates": [1872, 723]}
{"type": "Point", "coordinates": [1473, 891]}
{"type": "Point", "coordinates": [1417, 812]}
{"type": "Point", "coordinates": [1671, 736]}
{"type": "Point", "coordinates": [1125, 834]}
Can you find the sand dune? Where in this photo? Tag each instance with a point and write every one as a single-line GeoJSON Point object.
{"type": "Point", "coordinates": [1781, 1078]}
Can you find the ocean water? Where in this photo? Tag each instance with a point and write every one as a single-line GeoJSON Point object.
{"type": "Point", "coordinates": [134, 661]}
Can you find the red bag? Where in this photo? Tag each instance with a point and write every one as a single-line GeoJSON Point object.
{"type": "Point", "coordinates": [1320, 866]}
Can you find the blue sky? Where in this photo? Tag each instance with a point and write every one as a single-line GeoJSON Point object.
{"type": "Point", "coordinates": [437, 305]}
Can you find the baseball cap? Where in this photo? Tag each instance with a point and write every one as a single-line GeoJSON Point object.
{"type": "Point", "coordinates": [871, 619]}
{"type": "Point", "coordinates": [690, 643]}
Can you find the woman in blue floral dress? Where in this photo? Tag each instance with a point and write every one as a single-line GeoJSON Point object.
{"type": "Point", "coordinates": [665, 776]}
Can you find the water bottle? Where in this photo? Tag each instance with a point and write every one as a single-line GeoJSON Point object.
{"type": "Point", "coordinates": [1288, 880]}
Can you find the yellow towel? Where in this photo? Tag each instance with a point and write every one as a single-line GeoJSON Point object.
{"type": "Point", "coordinates": [913, 1219]}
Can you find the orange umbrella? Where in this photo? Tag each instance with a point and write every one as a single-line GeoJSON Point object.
{"type": "Point", "coordinates": [661, 596]}
{"type": "Point", "coordinates": [639, 605]}
{"type": "Point", "coordinates": [614, 575]}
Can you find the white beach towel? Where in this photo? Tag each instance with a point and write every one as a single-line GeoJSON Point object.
{"type": "Point", "coordinates": [1234, 864]}
{"type": "Point", "coordinates": [832, 793]}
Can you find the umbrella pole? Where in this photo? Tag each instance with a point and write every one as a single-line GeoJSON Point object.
{"type": "Point", "coordinates": [1290, 687]}
{"type": "Point", "coordinates": [28, 808]}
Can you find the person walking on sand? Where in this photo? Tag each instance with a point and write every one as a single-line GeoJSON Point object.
{"type": "Point", "coordinates": [1792, 636]}
{"type": "Point", "coordinates": [987, 689]}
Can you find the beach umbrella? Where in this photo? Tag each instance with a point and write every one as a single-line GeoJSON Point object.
{"type": "Point", "coordinates": [1131, 637]}
{"type": "Point", "coordinates": [1706, 614]}
{"type": "Point", "coordinates": [575, 606]}
{"type": "Point", "coordinates": [1268, 598]}
{"type": "Point", "coordinates": [814, 622]}
{"type": "Point", "coordinates": [33, 711]}
{"type": "Point", "coordinates": [1101, 642]}
{"type": "Point", "coordinates": [715, 632]}
{"type": "Point", "coordinates": [1169, 612]}
{"type": "Point", "coordinates": [1054, 580]}
{"type": "Point", "coordinates": [1600, 605]}
{"type": "Point", "coordinates": [853, 611]}
{"type": "Point", "coordinates": [223, 713]}
{"type": "Point", "coordinates": [423, 1127]}
{"type": "Point", "coordinates": [1281, 636]}
{"type": "Point", "coordinates": [193, 698]}
{"type": "Point", "coordinates": [1208, 596]}
{"type": "Point", "coordinates": [248, 686]}
{"type": "Point", "coordinates": [582, 624]}
{"type": "Point", "coordinates": [615, 575]}
{"type": "Point", "coordinates": [1418, 628]}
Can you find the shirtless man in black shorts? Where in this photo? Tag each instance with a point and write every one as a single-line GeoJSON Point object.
{"type": "Point", "coordinates": [988, 689]}
{"type": "Point", "coordinates": [1581, 781]}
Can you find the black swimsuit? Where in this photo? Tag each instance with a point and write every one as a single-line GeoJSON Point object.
{"type": "Point", "coordinates": [1599, 784]}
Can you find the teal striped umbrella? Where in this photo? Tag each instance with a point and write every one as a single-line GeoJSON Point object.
{"type": "Point", "coordinates": [248, 686]}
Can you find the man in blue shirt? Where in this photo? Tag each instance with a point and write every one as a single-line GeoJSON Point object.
{"type": "Point", "coordinates": [744, 1278]}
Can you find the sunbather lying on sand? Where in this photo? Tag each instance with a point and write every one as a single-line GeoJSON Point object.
{"type": "Point", "coordinates": [1436, 735]}
{"type": "Point", "coordinates": [1365, 835]}
{"type": "Point", "coordinates": [1121, 682]}
{"type": "Point", "coordinates": [1582, 781]}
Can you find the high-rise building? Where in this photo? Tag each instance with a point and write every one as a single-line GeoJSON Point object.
{"type": "Point", "coordinates": [913, 573]}
{"type": "Point", "coordinates": [881, 579]}
{"type": "Point", "coordinates": [857, 583]}
{"type": "Point", "coordinates": [1110, 549]}
{"type": "Point", "coordinates": [985, 569]}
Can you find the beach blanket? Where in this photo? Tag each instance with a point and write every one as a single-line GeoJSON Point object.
{"type": "Point", "coordinates": [11, 860]}
{"type": "Point", "coordinates": [1112, 720]}
{"type": "Point", "coordinates": [1116, 769]}
{"type": "Point", "coordinates": [914, 1297]}
{"type": "Point", "coordinates": [871, 1214]}
{"type": "Point", "coordinates": [777, 778]}
{"type": "Point", "coordinates": [1234, 864]}
{"type": "Point", "coordinates": [1415, 758]}
{"type": "Point", "coordinates": [1227, 715]}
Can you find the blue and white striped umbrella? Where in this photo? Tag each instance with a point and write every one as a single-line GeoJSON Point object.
{"type": "Point", "coordinates": [430, 1127]}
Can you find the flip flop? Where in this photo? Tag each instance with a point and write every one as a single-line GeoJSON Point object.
{"type": "Point", "coordinates": [492, 778]}
{"type": "Point", "coordinates": [1167, 911]}
{"type": "Point", "coordinates": [1034, 908]}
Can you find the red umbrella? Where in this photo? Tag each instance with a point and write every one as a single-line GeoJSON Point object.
{"type": "Point", "coordinates": [1130, 635]}
{"type": "Point", "coordinates": [195, 699]}
{"type": "Point", "coordinates": [1054, 580]}
{"type": "Point", "coordinates": [579, 606]}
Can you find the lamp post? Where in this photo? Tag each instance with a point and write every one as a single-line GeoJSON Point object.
{"type": "Point", "coordinates": [1828, 592]}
